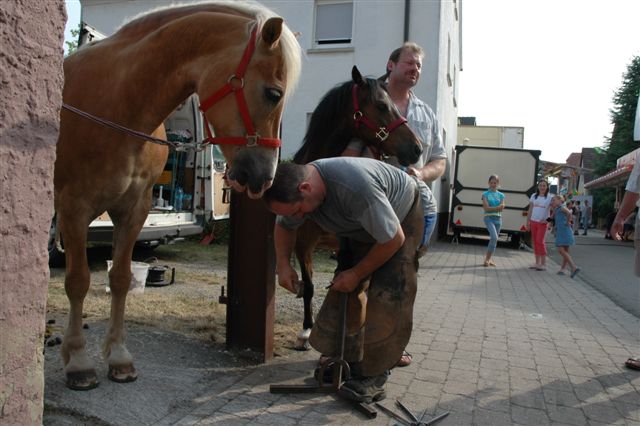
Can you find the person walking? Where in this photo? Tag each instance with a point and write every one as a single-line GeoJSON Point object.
{"type": "Point", "coordinates": [493, 202]}
{"type": "Point", "coordinates": [576, 217]}
{"type": "Point", "coordinates": [376, 209]}
{"type": "Point", "coordinates": [586, 216]}
{"type": "Point", "coordinates": [564, 234]}
{"type": "Point", "coordinates": [537, 216]}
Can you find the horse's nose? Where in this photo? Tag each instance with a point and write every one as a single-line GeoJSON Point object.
{"type": "Point", "coordinates": [417, 150]}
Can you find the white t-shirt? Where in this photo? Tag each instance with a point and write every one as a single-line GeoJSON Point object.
{"type": "Point", "coordinates": [541, 205]}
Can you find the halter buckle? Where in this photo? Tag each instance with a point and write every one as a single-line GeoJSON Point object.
{"type": "Point", "coordinates": [357, 116]}
{"type": "Point", "coordinates": [382, 134]}
{"type": "Point", "coordinates": [236, 78]}
{"type": "Point", "coordinates": [252, 140]}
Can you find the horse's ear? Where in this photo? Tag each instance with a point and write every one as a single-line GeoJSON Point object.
{"type": "Point", "coordinates": [356, 76]}
{"type": "Point", "coordinates": [271, 31]}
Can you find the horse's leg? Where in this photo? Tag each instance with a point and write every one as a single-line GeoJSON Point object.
{"type": "Point", "coordinates": [306, 241]}
{"type": "Point", "coordinates": [79, 368]}
{"type": "Point", "coordinates": [126, 227]}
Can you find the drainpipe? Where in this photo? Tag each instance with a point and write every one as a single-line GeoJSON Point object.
{"type": "Point", "coordinates": [407, 12]}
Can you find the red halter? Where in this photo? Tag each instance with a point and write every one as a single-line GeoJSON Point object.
{"type": "Point", "coordinates": [235, 84]}
{"type": "Point", "coordinates": [382, 132]}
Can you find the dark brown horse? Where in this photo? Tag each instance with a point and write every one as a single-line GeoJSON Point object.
{"type": "Point", "coordinates": [241, 60]}
{"type": "Point", "coordinates": [357, 109]}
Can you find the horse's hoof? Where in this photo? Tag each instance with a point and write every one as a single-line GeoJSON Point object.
{"type": "Point", "coordinates": [302, 345]}
{"type": "Point", "coordinates": [122, 374]}
{"type": "Point", "coordinates": [82, 380]}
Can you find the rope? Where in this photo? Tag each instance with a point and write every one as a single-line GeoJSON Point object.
{"type": "Point", "coordinates": [178, 146]}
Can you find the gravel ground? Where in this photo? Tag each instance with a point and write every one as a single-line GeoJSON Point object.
{"type": "Point", "coordinates": [201, 271]}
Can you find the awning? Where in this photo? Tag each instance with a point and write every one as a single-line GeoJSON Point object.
{"type": "Point", "coordinates": [615, 178]}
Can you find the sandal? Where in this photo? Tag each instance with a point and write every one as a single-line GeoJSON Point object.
{"type": "Point", "coordinates": [404, 360]}
{"type": "Point", "coordinates": [575, 272]}
{"type": "Point", "coordinates": [486, 263]}
{"type": "Point", "coordinates": [491, 263]}
{"type": "Point", "coordinates": [633, 363]}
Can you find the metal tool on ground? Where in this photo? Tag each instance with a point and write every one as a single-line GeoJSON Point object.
{"type": "Point", "coordinates": [156, 276]}
{"type": "Point", "coordinates": [341, 370]}
{"type": "Point", "coordinates": [413, 420]}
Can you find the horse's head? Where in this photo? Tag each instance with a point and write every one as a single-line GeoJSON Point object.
{"type": "Point", "coordinates": [247, 121]}
{"type": "Point", "coordinates": [378, 122]}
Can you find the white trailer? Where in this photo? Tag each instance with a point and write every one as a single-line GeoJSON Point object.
{"type": "Point", "coordinates": [517, 169]}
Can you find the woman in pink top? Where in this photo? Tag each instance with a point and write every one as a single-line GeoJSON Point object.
{"type": "Point", "coordinates": [539, 205]}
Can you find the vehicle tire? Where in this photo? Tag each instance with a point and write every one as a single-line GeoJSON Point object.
{"type": "Point", "coordinates": [56, 257]}
{"type": "Point", "coordinates": [515, 240]}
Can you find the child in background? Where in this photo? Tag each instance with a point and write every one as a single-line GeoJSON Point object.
{"type": "Point", "coordinates": [493, 204]}
{"type": "Point", "coordinates": [564, 234]}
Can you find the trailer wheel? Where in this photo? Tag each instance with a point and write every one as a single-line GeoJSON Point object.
{"type": "Point", "coordinates": [56, 257]}
{"type": "Point", "coordinates": [515, 240]}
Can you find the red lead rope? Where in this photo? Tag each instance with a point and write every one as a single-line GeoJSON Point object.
{"type": "Point", "coordinates": [235, 84]}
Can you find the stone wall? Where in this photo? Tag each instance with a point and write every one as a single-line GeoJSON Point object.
{"type": "Point", "coordinates": [31, 79]}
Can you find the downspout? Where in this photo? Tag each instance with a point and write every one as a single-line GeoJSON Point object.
{"type": "Point", "coordinates": [407, 12]}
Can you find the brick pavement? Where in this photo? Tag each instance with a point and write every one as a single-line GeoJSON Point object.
{"type": "Point", "coordinates": [494, 346]}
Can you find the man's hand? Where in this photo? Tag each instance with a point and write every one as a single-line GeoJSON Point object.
{"type": "Point", "coordinates": [345, 282]}
{"type": "Point", "coordinates": [616, 229]}
{"type": "Point", "coordinates": [288, 278]}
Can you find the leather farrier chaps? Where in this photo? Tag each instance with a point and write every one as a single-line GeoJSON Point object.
{"type": "Point", "coordinates": [380, 310]}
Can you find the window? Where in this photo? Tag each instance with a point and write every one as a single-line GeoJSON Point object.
{"type": "Point", "coordinates": [334, 22]}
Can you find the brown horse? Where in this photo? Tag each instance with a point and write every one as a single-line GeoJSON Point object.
{"type": "Point", "coordinates": [136, 78]}
{"type": "Point", "coordinates": [360, 108]}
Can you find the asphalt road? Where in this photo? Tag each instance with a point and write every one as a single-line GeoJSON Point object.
{"type": "Point", "coordinates": [607, 266]}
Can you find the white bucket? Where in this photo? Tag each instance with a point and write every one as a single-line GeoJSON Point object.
{"type": "Point", "coordinates": [139, 272]}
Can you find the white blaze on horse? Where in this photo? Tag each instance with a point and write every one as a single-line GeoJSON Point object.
{"type": "Point", "coordinates": [240, 59]}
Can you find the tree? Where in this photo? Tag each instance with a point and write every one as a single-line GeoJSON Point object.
{"type": "Point", "coordinates": [621, 142]}
{"type": "Point", "coordinates": [72, 46]}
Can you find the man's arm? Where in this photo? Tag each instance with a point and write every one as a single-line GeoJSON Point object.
{"type": "Point", "coordinates": [346, 281]}
{"type": "Point", "coordinates": [431, 171]}
{"type": "Point", "coordinates": [284, 241]}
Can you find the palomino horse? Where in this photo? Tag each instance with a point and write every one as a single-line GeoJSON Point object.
{"type": "Point", "coordinates": [359, 108]}
{"type": "Point", "coordinates": [135, 78]}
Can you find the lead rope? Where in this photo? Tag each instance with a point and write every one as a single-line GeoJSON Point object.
{"type": "Point", "coordinates": [177, 146]}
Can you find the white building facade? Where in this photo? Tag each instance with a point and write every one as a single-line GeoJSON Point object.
{"type": "Point", "coordinates": [337, 34]}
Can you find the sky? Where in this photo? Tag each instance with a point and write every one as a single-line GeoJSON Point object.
{"type": "Point", "coordinates": [550, 66]}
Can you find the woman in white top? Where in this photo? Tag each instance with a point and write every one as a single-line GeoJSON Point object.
{"type": "Point", "coordinates": [539, 205]}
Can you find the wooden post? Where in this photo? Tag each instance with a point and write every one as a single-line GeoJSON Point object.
{"type": "Point", "coordinates": [251, 276]}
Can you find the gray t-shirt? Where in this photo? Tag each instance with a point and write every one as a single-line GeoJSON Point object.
{"type": "Point", "coordinates": [365, 199]}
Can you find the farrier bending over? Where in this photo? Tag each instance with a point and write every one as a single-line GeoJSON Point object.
{"type": "Point", "coordinates": [375, 209]}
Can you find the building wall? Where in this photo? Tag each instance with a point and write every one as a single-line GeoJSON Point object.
{"type": "Point", "coordinates": [32, 79]}
{"type": "Point", "coordinates": [491, 136]}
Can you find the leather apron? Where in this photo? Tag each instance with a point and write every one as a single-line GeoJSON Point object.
{"type": "Point", "coordinates": [379, 310]}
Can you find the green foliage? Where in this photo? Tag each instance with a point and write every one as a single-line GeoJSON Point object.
{"type": "Point", "coordinates": [72, 46]}
{"type": "Point", "coordinates": [621, 142]}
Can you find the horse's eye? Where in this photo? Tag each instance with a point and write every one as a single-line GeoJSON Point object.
{"type": "Point", "coordinates": [274, 95]}
{"type": "Point", "coordinates": [382, 107]}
